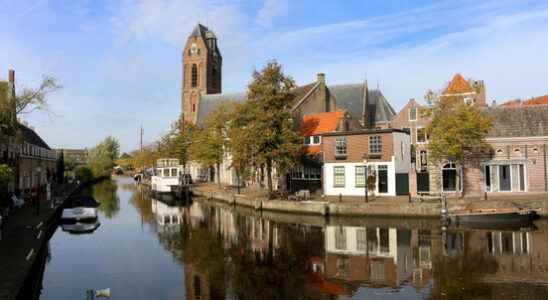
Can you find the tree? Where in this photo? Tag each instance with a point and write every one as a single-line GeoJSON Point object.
{"type": "Point", "coordinates": [7, 177]}
{"type": "Point", "coordinates": [209, 144]}
{"type": "Point", "coordinates": [102, 157]}
{"type": "Point", "coordinates": [457, 132]}
{"type": "Point", "coordinates": [240, 142]}
{"type": "Point", "coordinates": [61, 167]}
{"type": "Point", "coordinates": [34, 99]}
{"type": "Point", "coordinates": [176, 142]}
{"type": "Point", "coordinates": [275, 141]}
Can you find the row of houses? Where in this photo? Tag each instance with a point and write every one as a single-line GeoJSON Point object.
{"type": "Point", "coordinates": [352, 132]}
{"type": "Point", "coordinates": [21, 147]}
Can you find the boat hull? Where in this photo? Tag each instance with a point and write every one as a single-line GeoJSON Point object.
{"type": "Point", "coordinates": [77, 214]}
{"type": "Point", "coordinates": [514, 219]}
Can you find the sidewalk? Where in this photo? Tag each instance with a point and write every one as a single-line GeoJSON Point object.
{"type": "Point", "coordinates": [349, 206]}
{"type": "Point", "coordinates": [23, 235]}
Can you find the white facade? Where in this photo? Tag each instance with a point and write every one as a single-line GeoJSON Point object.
{"type": "Point", "coordinates": [350, 188]}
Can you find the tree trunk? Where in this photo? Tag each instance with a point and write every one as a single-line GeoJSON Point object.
{"type": "Point", "coordinates": [269, 179]}
{"type": "Point", "coordinates": [218, 167]}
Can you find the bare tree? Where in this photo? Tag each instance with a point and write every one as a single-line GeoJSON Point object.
{"type": "Point", "coordinates": [34, 99]}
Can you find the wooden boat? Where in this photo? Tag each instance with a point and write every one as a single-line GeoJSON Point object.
{"type": "Point", "coordinates": [80, 228]}
{"type": "Point", "coordinates": [513, 216]}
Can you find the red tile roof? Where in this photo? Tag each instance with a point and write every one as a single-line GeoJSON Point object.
{"type": "Point", "coordinates": [318, 123]}
{"type": "Point", "coordinates": [458, 85]}
{"type": "Point", "coordinates": [542, 100]}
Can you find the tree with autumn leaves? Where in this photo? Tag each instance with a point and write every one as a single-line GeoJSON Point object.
{"type": "Point", "coordinates": [457, 132]}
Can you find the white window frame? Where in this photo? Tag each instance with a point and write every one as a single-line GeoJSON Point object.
{"type": "Point", "coordinates": [341, 140]}
{"type": "Point", "coordinates": [417, 135]}
{"type": "Point", "coordinates": [335, 168]}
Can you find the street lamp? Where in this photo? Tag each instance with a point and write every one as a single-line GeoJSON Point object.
{"type": "Point", "coordinates": [365, 171]}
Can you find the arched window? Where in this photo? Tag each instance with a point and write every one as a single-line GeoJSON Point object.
{"type": "Point", "coordinates": [194, 75]}
{"type": "Point", "coordinates": [450, 177]}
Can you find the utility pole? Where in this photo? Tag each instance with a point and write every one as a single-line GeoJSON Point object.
{"type": "Point", "coordinates": [141, 142]}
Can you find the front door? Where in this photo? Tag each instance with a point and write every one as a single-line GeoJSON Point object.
{"type": "Point", "coordinates": [504, 178]}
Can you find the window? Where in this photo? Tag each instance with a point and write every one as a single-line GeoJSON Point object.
{"type": "Point", "coordinates": [449, 177]}
{"type": "Point", "coordinates": [468, 100]}
{"type": "Point", "coordinates": [413, 114]}
{"type": "Point", "coordinates": [375, 144]}
{"type": "Point", "coordinates": [421, 135]}
{"type": "Point", "coordinates": [340, 238]}
{"type": "Point", "coordinates": [194, 75]}
{"type": "Point", "coordinates": [360, 176]}
{"type": "Point", "coordinates": [173, 172]}
{"type": "Point", "coordinates": [487, 178]}
{"type": "Point", "coordinates": [193, 107]}
{"type": "Point", "coordinates": [338, 176]}
{"type": "Point", "coordinates": [307, 140]}
{"type": "Point", "coordinates": [340, 147]}
{"type": "Point", "coordinates": [317, 139]}
{"type": "Point", "coordinates": [166, 172]}
{"type": "Point", "coordinates": [423, 158]}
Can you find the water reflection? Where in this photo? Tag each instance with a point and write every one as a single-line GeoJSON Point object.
{"type": "Point", "coordinates": [225, 252]}
{"type": "Point", "coordinates": [106, 193]}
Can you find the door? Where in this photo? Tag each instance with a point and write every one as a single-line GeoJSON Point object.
{"type": "Point", "coordinates": [423, 182]}
{"type": "Point", "coordinates": [402, 184]}
{"type": "Point", "coordinates": [504, 178]}
{"type": "Point", "coordinates": [383, 179]}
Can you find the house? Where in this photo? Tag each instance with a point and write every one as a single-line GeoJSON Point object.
{"type": "Point", "coordinates": [541, 100]}
{"type": "Point", "coordinates": [37, 161]}
{"type": "Point", "coordinates": [349, 155]}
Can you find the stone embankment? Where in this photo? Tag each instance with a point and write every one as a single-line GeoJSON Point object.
{"type": "Point", "coordinates": [326, 208]}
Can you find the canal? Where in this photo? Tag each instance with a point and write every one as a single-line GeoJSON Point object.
{"type": "Point", "coordinates": [145, 248]}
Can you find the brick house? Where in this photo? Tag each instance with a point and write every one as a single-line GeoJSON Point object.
{"type": "Point", "coordinates": [349, 155]}
{"type": "Point", "coordinates": [37, 162]}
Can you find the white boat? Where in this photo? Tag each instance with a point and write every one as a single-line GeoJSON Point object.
{"type": "Point", "coordinates": [82, 208]}
{"type": "Point", "coordinates": [168, 177]}
{"type": "Point", "coordinates": [80, 228]}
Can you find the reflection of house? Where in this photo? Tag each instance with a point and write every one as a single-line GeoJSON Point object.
{"type": "Point", "coordinates": [350, 155]}
{"type": "Point", "coordinates": [371, 255]}
{"type": "Point", "coordinates": [519, 255]}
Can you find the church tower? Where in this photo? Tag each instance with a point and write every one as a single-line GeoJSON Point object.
{"type": "Point", "coordinates": [202, 66]}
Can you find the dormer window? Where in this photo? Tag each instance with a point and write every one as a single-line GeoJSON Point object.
{"type": "Point", "coordinates": [312, 140]}
{"type": "Point", "coordinates": [468, 100]}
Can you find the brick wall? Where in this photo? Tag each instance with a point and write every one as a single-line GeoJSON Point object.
{"type": "Point", "coordinates": [357, 144]}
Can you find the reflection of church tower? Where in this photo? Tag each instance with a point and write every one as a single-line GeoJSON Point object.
{"type": "Point", "coordinates": [202, 64]}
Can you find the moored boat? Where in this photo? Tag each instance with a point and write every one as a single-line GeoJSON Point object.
{"type": "Point", "coordinates": [81, 208]}
{"type": "Point", "coordinates": [80, 228]}
{"type": "Point", "coordinates": [511, 215]}
{"type": "Point", "coordinates": [169, 178]}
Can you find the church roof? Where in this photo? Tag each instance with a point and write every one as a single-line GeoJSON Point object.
{"type": "Point", "coordinates": [208, 103]}
{"type": "Point", "coordinates": [458, 85]}
{"type": "Point", "coordinates": [199, 30]}
{"type": "Point", "coordinates": [518, 121]}
{"type": "Point", "coordinates": [351, 97]}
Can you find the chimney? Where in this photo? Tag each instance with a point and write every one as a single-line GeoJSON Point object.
{"type": "Point", "coordinates": [321, 77]}
{"type": "Point", "coordinates": [11, 76]}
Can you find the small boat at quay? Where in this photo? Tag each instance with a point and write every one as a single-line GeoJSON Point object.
{"type": "Point", "coordinates": [80, 209]}
{"type": "Point", "coordinates": [80, 228]}
{"type": "Point", "coordinates": [169, 178]}
{"type": "Point", "coordinates": [510, 215]}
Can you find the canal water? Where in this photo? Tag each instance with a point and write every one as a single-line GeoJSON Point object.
{"type": "Point", "coordinates": [149, 248]}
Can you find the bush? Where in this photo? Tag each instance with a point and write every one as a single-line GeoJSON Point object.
{"type": "Point", "coordinates": [83, 173]}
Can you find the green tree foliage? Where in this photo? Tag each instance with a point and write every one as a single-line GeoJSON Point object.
{"type": "Point", "coordinates": [7, 177]}
{"type": "Point", "coordinates": [457, 132]}
{"type": "Point", "coordinates": [209, 143]}
{"type": "Point", "coordinates": [102, 158]}
{"type": "Point", "coordinates": [125, 161]}
{"type": "Point", "coordinates": [83, 173]}
{"type": "Point", "coordinates": [176, 143]}
{"type": "Point", "coordinates": [275, 142]}
{"type": "Point", "coordinates": [241, 141]}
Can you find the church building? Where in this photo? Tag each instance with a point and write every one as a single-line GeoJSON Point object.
{"type": "Point", "coordinates": [202, 93]}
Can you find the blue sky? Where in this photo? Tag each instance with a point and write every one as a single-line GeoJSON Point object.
{"type": "Point", "coordinates": [119, 61]}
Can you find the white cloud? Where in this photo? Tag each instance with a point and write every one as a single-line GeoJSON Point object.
{"type": "Point", "coordinates": [270, 10]}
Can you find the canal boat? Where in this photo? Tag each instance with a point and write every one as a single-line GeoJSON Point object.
{"type": "Point", "coordinates": [80, 209]}
{"type": "Point", "coordinates": [509, 216]}
{"type": "Point", "coordinates": [169, 178]}
{"type": "Point", "coordinates": [80, 228]}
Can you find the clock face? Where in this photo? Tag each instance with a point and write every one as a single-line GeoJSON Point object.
{"type": "Point", "coordinates": [193, 48]}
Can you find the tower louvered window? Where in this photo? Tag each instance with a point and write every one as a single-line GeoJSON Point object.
{"type": "Point", "coordinates": [194, 75]}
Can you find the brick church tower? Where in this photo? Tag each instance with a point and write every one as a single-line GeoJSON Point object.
{"type": "Point", "coordinates": [202, 66]}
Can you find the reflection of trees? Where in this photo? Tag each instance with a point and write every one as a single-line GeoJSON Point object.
{"type": "Point", "coordinates": [456, 277]}
{"type": "Point", "coordinates": [105, 193]}
{"type": "Point", "coordinates": [141, 201]}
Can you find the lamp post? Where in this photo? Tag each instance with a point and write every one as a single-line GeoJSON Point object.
{"type": "Point", "coordinates": [365, 171]}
